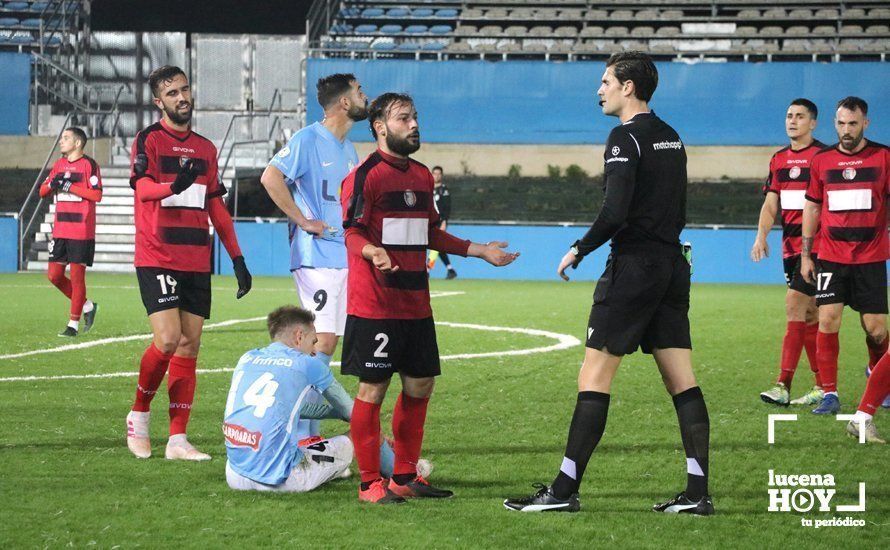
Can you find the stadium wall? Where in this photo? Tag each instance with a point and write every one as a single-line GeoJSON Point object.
{"type": "Point", "coordinates": [16, 71]}
{"type": "Point", "coordinates": [9, 243]}
{"type": "Point", "coordinates": [719, 255]}
{"type": "Point", "coordinates": [539, 102]}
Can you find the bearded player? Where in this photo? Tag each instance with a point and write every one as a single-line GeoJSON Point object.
{"type": "Point", "coordinates": [76, 187]}
{"type": "Point", "coordinates": [789, 174]}
{"type": "Point", "coordinates": [391, 221]}
{"type": "Point", "coordinates": [847, 205]}
{"type": "Point", "coordinates": [178, 193]}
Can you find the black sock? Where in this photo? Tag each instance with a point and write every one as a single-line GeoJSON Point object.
{"type": "Point", "coordinates": [695, 430]}
{"type": "Point", "coordinates": [402, 479]}
{"type": "Point", "coordinates": [588, 425]}
{"type": "Point", "coordinates": [445, 260]}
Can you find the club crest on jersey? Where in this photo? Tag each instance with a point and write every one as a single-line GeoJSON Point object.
{"type": "Point", "coordinates": [182, 161]}
{"type": "Point", "coordinates": [794, 172]}
{"type": "Point", "coordinates": [615, 151]}
{"type": "Point", "coordinates": [94, 182]}
{"type": "Point", "coordinates": [410, 198]}
{"type": "Point", "coordinates": [239, 436]}
{"type": "Point", "coordinates": [67, 175]}
{"type": "Point", "coordinates": [849, 173]}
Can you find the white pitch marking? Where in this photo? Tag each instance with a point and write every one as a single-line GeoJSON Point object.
{"type": "Point", "coordinates": [564, 341]}
{"type": "Point", "coordinates": [134, 337]}
{"type": "Point", "coordinates": [433, 293]}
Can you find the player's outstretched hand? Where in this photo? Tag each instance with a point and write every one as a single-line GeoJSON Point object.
{"type": "Point", "coordinates": [569, 260]}
{"type": "Point", "coordinates": [245, 281]}
{"type": "Point", "coordinates": [760, 250]}
{"type": "Point", "coordinates": [381, 261]}
{"type": "Point", "coordinates": [187, 175]}
{"type": "Point", "coordinates": [314, 227]}
{"type": "Point", "coordinates": [493, 254]}
{"type": "Point", "coordinates": [807, 268]}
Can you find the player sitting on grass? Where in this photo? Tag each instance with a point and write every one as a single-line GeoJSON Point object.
{"type": "Point", "coordinates": [271, 427]}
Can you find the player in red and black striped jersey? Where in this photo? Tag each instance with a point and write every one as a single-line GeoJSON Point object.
{"type": "Point", "coordinates": [391, 219]}
{"type": "Point", "coordinates": [847, 204]}
{"type": "Point", "coordinates": [789, 174]}
{"type": "Point", "coordinates": [178, 194]}
{"type": "Point", "coordinates": [76, 186]}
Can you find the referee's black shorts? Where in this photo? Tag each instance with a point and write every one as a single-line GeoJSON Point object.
{"type": "Point", "coordinates": [641, 301]}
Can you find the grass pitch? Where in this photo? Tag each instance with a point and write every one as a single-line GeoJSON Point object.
{"type": "Point", "coordinates": [495, 425]}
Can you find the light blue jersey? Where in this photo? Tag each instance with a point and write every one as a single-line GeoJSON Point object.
{"type": "Point", "coordinates": [262, 410]}
{"type": "Point", "coordinates": [314, 164]}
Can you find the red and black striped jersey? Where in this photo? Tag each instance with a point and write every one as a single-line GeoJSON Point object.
{"type": "Point", "coordinates": [388, 202]}
{"type": "Point", "coordinates": [852, 189]}
{"type": "Point", "coordinates": [173, 233]}
{"type": "Point", "coordinates": [789, 175]}
{"type": "Point", "coordinates": [75, 216]}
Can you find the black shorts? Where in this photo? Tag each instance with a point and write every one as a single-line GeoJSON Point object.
{"type": "Point", "coordinates": [794, 279]}
{"type": "Point", "coordinates": [374, 349]}
{"type": "Point", "coordinates": [72, 251]}
{"type": "Point", "coordinates": [863, 287]}
{"type": "Point", "coordinates": [641, 301]}
{"type": "Point", "coordinates": [167, 289]}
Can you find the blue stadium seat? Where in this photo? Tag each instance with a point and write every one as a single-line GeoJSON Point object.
{"type": "Point", "coordinates": [440, 29]}
{"type": "Point", "coordinates": [383, 46]}
{"type": "Point", "coordinates": [33, 23]}
{"type": "Point", "coordinates": [39, 6]}
{"type": "Point", "coordinates": [416, 29]}
{"type": "Point", "coordinates": [16, 6]}
{"type": "Point", "coordinates": [434, 46]}
{"type": "Point", "coordinates": [446, 12]}
{"type": "Point", "coordinates": [398, 12]}
{"type": "Point", "coordinates": [366, 28]}
{"type": "Point", "coordinates": [372, 12]}
{"type": "Point", "coordinates": [8, 22]}
{"type": "Point", "coordinates": [391, 29]}
{"type": "Point", "coordinates": [421, 12]}
{"type": "Point", "coordinates": [53, 41]}
{"type": "Point", "coordinates": [409, 46]}
{"type": "Point", "coordinates": [21, 38]}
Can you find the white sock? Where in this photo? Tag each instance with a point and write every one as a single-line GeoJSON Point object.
{"type": "Point", "coordinates": [87, 306]}
{"type": "Point", "coordinates": [834, 393]}
{"type": "Point", "coordinates": [178, 440]}
{"type": "Point", "coordinates": [862, 416]}
{"type": "Point", "coordinates": [74, 324]}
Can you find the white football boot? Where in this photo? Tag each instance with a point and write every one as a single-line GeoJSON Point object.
{"type": "Point", "coordinates": [137, 434]}
{"type": "Point", "coordinates": [178, 448]}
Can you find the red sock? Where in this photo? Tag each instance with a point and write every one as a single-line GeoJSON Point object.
{"type": "Point", "coordinates": [151, 372]}
{"type": "Point", "coordinates": [56, 275]}
{"type": "Point", "coordinates": [408, 419]}
{"type": "Point", "coordinates": [809, 344]}
{"type": "Point", "coordinates": [181, 387]}
{"type": "Point", "coordinates": [878, 386]}
{"type": "Point", "coordinates": [78, 290]}
{"type": "Point", "coordinates": [827, 349]}
{"type": "Point", "coordinates": [364, 428]}
{"type": "Point", "coordinates": [792, 345]}
{"type": "Point", "coordinates": [876, 351]}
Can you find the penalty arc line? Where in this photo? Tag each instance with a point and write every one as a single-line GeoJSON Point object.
{"type": "Point", "coordinates": [563, 341]}
{"type": "Point", "coordinates": [135, 337]}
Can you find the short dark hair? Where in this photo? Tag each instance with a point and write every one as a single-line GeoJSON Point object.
{"type": "Point", "coordinates": [639, 69]}
{"type": "Point", "coordinates": [381, 105]}
{"type": "Point", "coordinates": [852, 103]}
{"type": "Point", "coordinates": [288, 316]}
{"type": "Point", "coordinates": [163, 74]}
{"type": "Point", "coordinates": [78, 134]}
{"type": "Point", "coordinates": [332, 87]}
{"type": "Point", "coordinates": [808, 105]}
{"type": "Point", "coordinates": [439, 168]}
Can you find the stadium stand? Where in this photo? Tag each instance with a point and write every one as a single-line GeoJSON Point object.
{"type": "Point", "coordinates": [734, 30]}
{"type": "Point", "coordinates": [37, 26]}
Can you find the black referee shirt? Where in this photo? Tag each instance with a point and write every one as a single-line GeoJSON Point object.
{"type": "Point", "coordinates": [443, 201]}
{"type": "Point", "coordinates": [645, 186]}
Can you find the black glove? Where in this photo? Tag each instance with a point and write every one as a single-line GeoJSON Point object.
{"type": "Point", "coordinates": [140, 165]}
{"type": "Point", "coordinates": [185, 178]}
{"type": "Point", "coordinates": [56, 182]}
{"type": "Point", "coordinates": [66, 186]}
{"type": "Point", "coordinates": [243, 276]}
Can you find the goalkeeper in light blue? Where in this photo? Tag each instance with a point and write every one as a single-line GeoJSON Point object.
{"type": "Point", "coordinates": [278, 395]}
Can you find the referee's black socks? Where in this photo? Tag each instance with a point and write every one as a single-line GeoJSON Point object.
{"type": "Point", "coordinates": [588, 425]}
{"type": "Point", "coordinates": [695, 430]}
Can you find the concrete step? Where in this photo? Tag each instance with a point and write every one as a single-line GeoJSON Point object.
{"type": "Point", "coordinates": [116, 182]}
{"type": "Point", "coordinates": [108, 219]}
{"type": "Point", "coordinates": [102, 238]}
{"type": "Point", "coordinates": [116, 191]}
{"type": "Point", "coordinates": [118, 200]}
{"type": "Point", "coordinates": [125, 248]}
{"type": "Point", "coordinates": [108, 267]}
{"type": "Point", "coordinates": [103, 257]}
{"type": "Point", "coordinates": [101, 228]}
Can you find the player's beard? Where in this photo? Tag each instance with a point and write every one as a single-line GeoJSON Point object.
{"type": "Point", "coordinates": [358, 112]}
{"type": "Point", "coordinates": [402, 146]}
{"type": "Point", "coordinates": [177, 116]}
{"type": "Point", "coordinates": [850, 142]}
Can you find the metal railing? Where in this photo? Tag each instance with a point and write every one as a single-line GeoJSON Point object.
{"type": "Point", "coordinates": [56, 19]}
{"type": "Point", "coordinates": [319, 18]}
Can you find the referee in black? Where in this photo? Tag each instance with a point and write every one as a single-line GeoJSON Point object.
{"type": "Point", "coordinates": [642, 298]}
